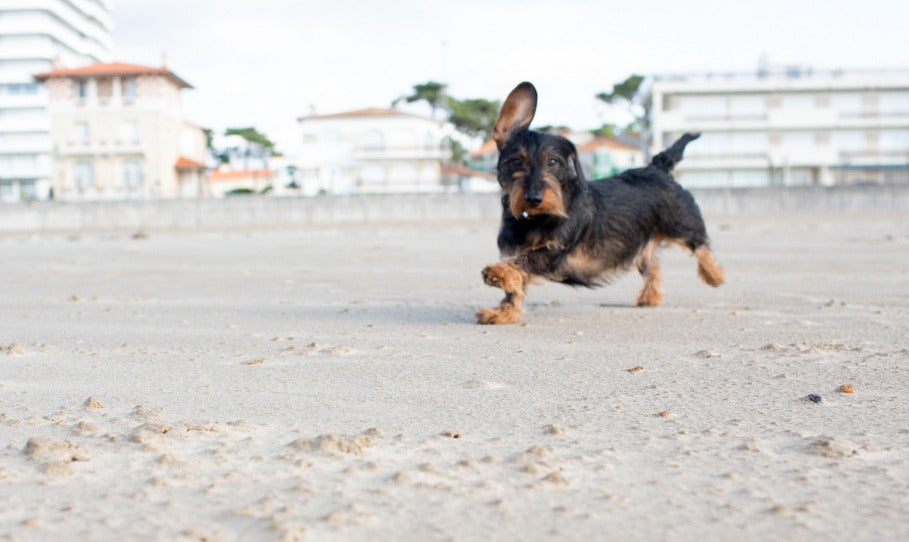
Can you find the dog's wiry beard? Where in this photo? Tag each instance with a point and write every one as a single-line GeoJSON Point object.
{"type": "Point", "coordinates": [552, 205]}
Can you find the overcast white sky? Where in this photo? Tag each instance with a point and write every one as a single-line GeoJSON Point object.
{"type": "Point", "coordinates": [264, 63]}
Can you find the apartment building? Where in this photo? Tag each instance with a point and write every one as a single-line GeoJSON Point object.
{"type": "Point", "coordinates": [786, 127]}
{"type": "Point", "coordinates": [372, 151]}
{"type": "Point", "coordinates": [33, 34]}
{"type": "Point", "coordinates": [117, 131]}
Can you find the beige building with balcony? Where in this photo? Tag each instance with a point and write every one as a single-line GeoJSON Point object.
{"type": "Point", "coordinates": [117, 131]}
{"type": "Point", "coordinates": [786, 127]}
{"type": "Point", "coordinates": [372, 151]}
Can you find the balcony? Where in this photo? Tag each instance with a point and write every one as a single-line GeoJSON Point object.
{"type": "Point", "coordinates": [101, 148]}
{"type": "Point", "coordinates": [31, 143]}
{"type": "Point", "coordinates": [23, 101]}
{"type": "Point", "coordinates": [37, 170]}
{"type": "Point", "coordinates": [399, 153]}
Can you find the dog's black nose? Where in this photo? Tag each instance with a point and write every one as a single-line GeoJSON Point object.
{"type": "Point", "coordinates": [534, 199]}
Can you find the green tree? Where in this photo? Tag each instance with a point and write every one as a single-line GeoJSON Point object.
{"type": "Point", "coordinates": [475, 117]}
{"type": "Point", "coordinates": [257, 145]}
{"type": "Point", "coordinates": [458, 152]}
{"type": "Point", "coordinates": [635, 98]}
{"type": "Point", "coordinates": [432, 92]}
{"type": "Point", "coordinates": [606, 130]}
{"type": "Point", "coordinates": [553, 128]}
{"type": "Point", "coordinates": [221, 156]}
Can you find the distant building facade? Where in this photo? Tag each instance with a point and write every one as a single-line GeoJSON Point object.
{"type": "Point", "coordinates": [606, 156]}
{"type": "Point", "coordinates": [227, 182]}
{"type": "Point", "coordinates": [787, 127]}
{"type": "Point", "coordinates": [117, 131]}
{"type": "Point", "coordinates": [371, 151]}
{"type": "Point", "coordinates": [33, 34]}
{"type": "Point", "coordinates": [599, 157]}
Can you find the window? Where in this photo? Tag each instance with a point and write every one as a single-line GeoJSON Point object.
{"type": "Point", "coordinates": [894, 140]}
{"type": "Point", "coordinates": [372, 174]}
{"type": "Point", "coordinates": [894, 102]}
{"type": "Point", "coordinates": [373, 140]}
{"type": "Point", "coordinates": [749, 143]}
{"type": "Point", "coordinates": [80, 132]}
{"type": "Point", "coordinates": [748, 178]}
{"type": "Point", "coordinates": [332, 137]}
{"type": "Point", "coordinates": [84, 173]}
{"type": "Point", "coordinates": [798, 139]}
{"type": "Point", "coordinates": [429, 142]}
{"type": "Point", "coordinates": [701, 106]}
{"type": "Point", "coordinates": [747, 106]}
{"type": "Point", "coordinates": [729, 144]}
{"type": "Point", "coordinates": [709, 144]}
{"type": "Point", "coordinates": [846, 103]}
{"type": "Point", "coordinates": [129, 89]}
{"type": "Point", "coordinates": [105, 89]}
{"type": "Point", "coordinates": [132, 174]}
{"type": "Point", "coordinates": [6, 191]}
{"type": "Point", "coordinates": [82, 88]}
{"type": "Point", "coordinates": [802, 177]}
{"type": "Point", "coordinates": [22, 89]}
{"type": "Point", "coordinates": [853, 140]}
{"type": "Point", "coordinates": [704, 179]}
{"type": "Point", "coordinates": [129, 131]}
{"type": "Point", "coordinates": [797, 102]}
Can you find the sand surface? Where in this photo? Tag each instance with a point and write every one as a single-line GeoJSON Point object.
{"type": "Point", "coordinates": [330, 383]}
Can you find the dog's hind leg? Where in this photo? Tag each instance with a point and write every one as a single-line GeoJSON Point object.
{"type": "Point", "coordinates": [513, 280]}
{"type": "Point", "coordinates": [687, 229]}
{"type": "Point", "coordinates": [649, 266]}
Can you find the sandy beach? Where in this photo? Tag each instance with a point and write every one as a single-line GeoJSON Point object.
{"type": "Point", "coordinates": [330, 382]}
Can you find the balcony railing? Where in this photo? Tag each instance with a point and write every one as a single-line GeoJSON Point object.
{"type": "Point", "coordinates": [400, 153]}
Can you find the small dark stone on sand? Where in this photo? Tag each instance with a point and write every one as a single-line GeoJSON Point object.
{"type": "Point", "coordinates": [815, 398]}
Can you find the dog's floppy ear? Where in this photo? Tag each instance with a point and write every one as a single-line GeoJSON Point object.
{"type": "Point", "coordinates": [516, 113]}
{"type": "Point", "coordinates": [575, 166]}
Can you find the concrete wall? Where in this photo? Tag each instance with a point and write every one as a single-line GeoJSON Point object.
{"type": "Point", "coordinates": [257, 212]}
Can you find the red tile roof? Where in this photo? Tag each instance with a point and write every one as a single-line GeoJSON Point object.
{"type": "Point", "coordinates": [600, 142]}
{"type": "Point", "coordinates": [367, 112]}
{"type": "Point", "coordinates": [239, 174]}
{"type": "Point", "coordinates": [464, 171]}
{"type": "Point", "coordinates": [111, 69]}
{"type": "Point", "coordinates": [487, 148]}
{"type": "Point", "coordinates": [185, 163]}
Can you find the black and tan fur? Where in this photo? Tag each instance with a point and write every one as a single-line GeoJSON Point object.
{"type": "Point", "coordinates": [558, 226]}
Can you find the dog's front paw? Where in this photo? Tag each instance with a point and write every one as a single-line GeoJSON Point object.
{"type": "Point", "coordinates": [650, 297]}
{"type": "Point", "coordinates": [504, 275]}
{"type": "Point", "coordinates": [491, 276]}
{"type": "Point", "coordinates": [505, 314]}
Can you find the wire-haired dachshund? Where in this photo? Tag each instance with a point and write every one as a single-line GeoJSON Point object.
{"type": "Point", "coordinates": [558, 226]}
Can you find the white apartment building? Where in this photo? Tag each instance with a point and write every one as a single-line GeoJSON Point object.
{"type": "Point", "coordinates": [33, 35]}
{"type": "Point", "coordinates": [785, 127]}
{"type": "Point", "coordinates": [372, 151]}
{"type": "Point", "coordinates": [117, 132]}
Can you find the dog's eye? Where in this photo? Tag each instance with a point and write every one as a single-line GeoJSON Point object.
{"type": "Point", "coordinates": [516, 162]}
{"type": "Point", "coordinates": [552, 162]}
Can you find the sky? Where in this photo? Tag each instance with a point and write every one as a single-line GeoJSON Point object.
{"type": "Point", "coordinates": [264, 63]}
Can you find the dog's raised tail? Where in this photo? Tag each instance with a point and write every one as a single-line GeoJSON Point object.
{"type": "Point", "coordinates": [667, 159]}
